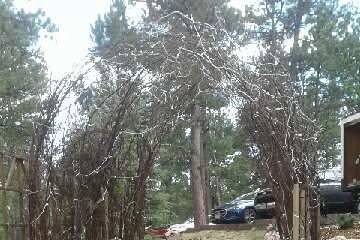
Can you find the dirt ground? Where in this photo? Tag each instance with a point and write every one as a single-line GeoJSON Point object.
{"type": "Point", "coordinates": [328, 232]}
{"type": "Point", "coordinates": [224, 235]}
{"type": "Point", "coordinates": [230, 232]}
{"type": "Point", "coordinates": [329, 229]}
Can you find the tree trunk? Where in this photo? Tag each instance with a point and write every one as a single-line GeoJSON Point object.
{"type": "Point", "coordinates": [196, 183]}
{"type": "Point", "coordinates": [218, 191]}
{"type": "Point", "coordinates": [77, 225]}
{"type": "Point", "coordinates": [205, 184]}
{"type": "Point", "coordinates": [205, 175]}
{"type": "Point", "coordinates": [151, 9]}
{"type": "Point", "coordinates": [295, 53]}
{"type": "Point", "coordinates": [34, 187]}
{"type": "Point", "coordinates": [56, 228]}
{"type": "Point", "coordinates": [106, 216]}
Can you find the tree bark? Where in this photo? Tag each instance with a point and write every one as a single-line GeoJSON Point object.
{"type": "Point", "coordinates": [218, 192]}
{"type": "Point", "coordinates": [295, 53]}
{"type": "Point", "coordinates": [34, 187]}
{"type": "Point", "coordinates": [106, 216]}
{"type": "Point", "coordinates": [196, 183]}
{"type": "Point", "coordinates": [77, 225]}
{"type": "Point", "coordinates": [151, 9]}
{"type": "Point", "coordinates": [205, 171]}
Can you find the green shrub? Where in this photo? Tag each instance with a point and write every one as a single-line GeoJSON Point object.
{"type": "Point", "coordinates": [345, 221]}
{"type": "Point", "coordinates": [148, 237]}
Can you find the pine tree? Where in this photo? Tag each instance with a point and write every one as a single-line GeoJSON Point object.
{"type": "Point", "coordinates": [22, 72]}
{"type": "Point", "coordinates": [213, 13]}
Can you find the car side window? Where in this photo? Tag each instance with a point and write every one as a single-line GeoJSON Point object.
{"type": "Point", "coordinates": [327, 188]}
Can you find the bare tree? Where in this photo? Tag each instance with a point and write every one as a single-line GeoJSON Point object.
{"type": "Point", "coordinates": [37, 200]}
{"type": "Point", "coordinates": [144, 87]}
{"type": "Point", "coordinates": [284, 138]}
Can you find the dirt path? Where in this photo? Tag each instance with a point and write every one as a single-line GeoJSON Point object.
{"type": "Point", "coordinates": [223, 234]}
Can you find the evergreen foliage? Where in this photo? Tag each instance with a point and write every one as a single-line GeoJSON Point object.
{"type": "Point", "coordinates": [324, 77]}
{"type": "Point", "coordinates": [22, 71]}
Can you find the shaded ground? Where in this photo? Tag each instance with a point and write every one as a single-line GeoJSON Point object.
{"type": "Point", "coordinates": [254, 231]}
{"type": "Point", "coordinates": [223, 234]}
{"type": "Point", "coordinates": [329, 229]}
{"type": "Point", "coordinates": [328, 232]}
{"type": "Point", "coordinates": [257, 231]}
{"type": "Point", "coordinates": [330, 219]}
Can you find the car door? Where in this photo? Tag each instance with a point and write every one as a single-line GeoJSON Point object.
{"type": "Point", "coordinates": [334, 200]}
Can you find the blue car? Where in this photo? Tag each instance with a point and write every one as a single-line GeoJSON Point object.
{"type": "Point", "coordinates": [239, 210]}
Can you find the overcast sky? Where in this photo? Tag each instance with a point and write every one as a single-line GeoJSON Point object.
{"type": "Point", "coordinates": [73, 18]}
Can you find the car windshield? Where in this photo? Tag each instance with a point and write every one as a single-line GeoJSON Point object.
{"type": "Point", "coordinates": [247, 196]}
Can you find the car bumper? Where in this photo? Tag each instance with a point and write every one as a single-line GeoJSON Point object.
{"type": "Point", "coordinates": [227, 217]}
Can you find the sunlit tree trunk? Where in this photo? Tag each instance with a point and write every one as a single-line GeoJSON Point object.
{"type": "Point", "coordinates": [196, 182]}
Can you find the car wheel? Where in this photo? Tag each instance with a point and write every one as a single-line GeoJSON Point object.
{"type": "Point", "coordinates": [323, 211]}
{"type": "Point", "coordinates": [249, 215]}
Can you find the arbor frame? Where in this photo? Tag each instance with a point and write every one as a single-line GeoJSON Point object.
{"type": "Point", "coordinates": [12, 171]}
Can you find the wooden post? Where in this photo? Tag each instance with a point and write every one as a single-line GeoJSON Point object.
{"type": "Point", "coordinates": [21, 179]}
{"type": "Point", "coordinates": [302, 216]}
{"type": "Point", "coordinates": [318, 221]}
{"type": "Point", "coordinates": [12, 178]}
{"type": "Point", "coordinates": [296, 212]}
{"type": "Point", "coordinates": [308, 221]}
{"type": "Point", "coordinates": [3, 198]}
{"type": "Point", "coordinates": [11, 173]}
{"type": "Point", "coordinates": [106, 214]}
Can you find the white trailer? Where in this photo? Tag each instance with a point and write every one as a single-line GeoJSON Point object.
{"type": "Point", "coordinates": [350, 151]}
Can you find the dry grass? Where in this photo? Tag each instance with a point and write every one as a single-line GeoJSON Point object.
{"type": "Point", "coordinates": [223, 234]}
{"type": "Point", "coordinates": [328, 232]}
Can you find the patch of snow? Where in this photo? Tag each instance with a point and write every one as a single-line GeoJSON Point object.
{"type": "Point", "coordinates": [271, 233]}
{"type": "Point", "coordinates": [182, 227]}
{"type": "Point", "coordinates": [187, 132]}
{"type": "Point", "coordinates": [351, 119]}
{"type": "Point", "coordinates": [230, 158]}
{"type": "Point", "coordinates": [338, 238]}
